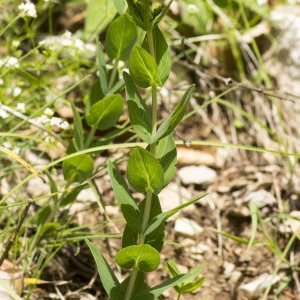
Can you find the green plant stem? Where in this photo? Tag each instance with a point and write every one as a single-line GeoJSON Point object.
{"type": "Point", "coordinates": [131, 283]}
{"type": "Point", "coordinates": [148, 202]}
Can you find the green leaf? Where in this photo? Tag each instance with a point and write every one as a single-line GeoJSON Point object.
{"type": "Point", "coordinates": [141, 257]}
{"type": "Point", "coordinates": [159, 219]}
{"type": "Point", "coordinates": [126, 203]}
{"type": "Point", "coordinates": [106, 112]}
{"type": "Point", "coordinates": [179, 110]}
{"type": "Point", "coordinates": [78, 130]}
{"type": "Point", "coordinates": [99, 14]}
{"type": "Point", "coordinates": [144, 171]}
{"type": "Point", "coordinates": [138, 12]}
{"type": "Point", "coordinates": [121, 37]}
{"type": "Point", "coordinates": [236, 238]}
{"type": "Point", "coordinates": [120, 6]}
{"type": "Point", "coordinates": [117, 86]}
{"type": "Point", "coordinates": [163, 12]}
{"type": "Point", "coordinates": [191, 286]}
{"type": "Point", "coordinates": [153, 293]}
{"type": "Point", "coordinates": [102, 68]}
{"type": "Point", "coordinates": [48, 228]}
{"type": "Point", "coordinates": [53, 186]}
{"type": "Point", "coordinates": [162, 54]}
{"type": "Point", "coordinates": [186, 286]}
{"type": "Point", "coordinates": [163, 128]}
{"type": "Point", "coordinates": [167, 156]}
{"type": "Point", "coordinates": [156, 237]}
{"type": "Point", "coordinates": [72, 195]}
{"type": "Point", "coordinates": [95, 95]}
{"type": "Point", "coordinates": [43, 215]}
{"type": "Point", "coordinates": [173, 269]}
{"type": "Point", "coordinates": [110, 282]}
{"type": "Point", "coordinates": [139, 114]}
{"type": "Point", "coordinates": [78, 168]}
{"type": "Point", "coordinates": [143, 68]}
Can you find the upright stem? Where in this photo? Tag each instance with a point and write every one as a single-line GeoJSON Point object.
{"type": "Point", "coordinates": [147, 209]}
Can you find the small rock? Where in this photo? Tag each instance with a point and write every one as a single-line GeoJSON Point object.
{"type": "Point", "coordinates": [112, 211]}
{"type": "Point", "coordinates": [261, 198]}
{"type": "Point", "coordinates": [87, 195]}
{"type": "Point", "coordinates": [35, 187]}
{"type": "Point", "coordinates": [228, 269]}
{"type": "Point", "coordinates": [199, 249]}
{"type": "Point", "coordinates": [235, 276]}
{"type": "Point", "coordinates": [255, 288]}
{"type": "Point", "coordinates": [197, 175]}
{"type": "Point", "coordinates": [174, 195]}
{"type": "Point", "coordinates": [187, 227]}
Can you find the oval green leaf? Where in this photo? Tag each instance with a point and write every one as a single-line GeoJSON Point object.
{"type": "Point", "coordinates": [144, 171]}
{"type": "Point", "coordinates": [162, 54]}
{"type": "Point", "coordinates": [139, 113]}
{"type": "Point", "coordinates": [166, 154]}
{"type": "Point", "coordinates": [106, 112]}
{"type": "Point", "coordinates": [143, 68]}
{"type": "Point", "coordinates": [78, 168]}
{"type": "Point", "coordinates": [128, 207]}
{"type": "Point", "coordinates": [121, 37]}
{"type": "Point", "coordinates": [178, 113]}
{"type": "Point", "coordinates": [141, 257]}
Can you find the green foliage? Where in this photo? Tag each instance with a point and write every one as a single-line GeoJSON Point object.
{"type": "Point", "coordinates": [143, 68]}
{"type": "Point", "coordinates": [110, 282]}
{"type": "Point", "coordinates": [144, 171]}
{"type": "Point", "coordinates": [106, 112]}
{"type": "Point", "coordinates": [78, 169]}
{"type": "Point", "coordinates": [162, 54]}
{"type": "Point", "coordinates": [141, 257]}
{"type": "Point", "coordinates": [121, 36]}
{"type": "Point", "coordinates": [99, 14]}
{"type": "Point", "coordinates": [128, 207]}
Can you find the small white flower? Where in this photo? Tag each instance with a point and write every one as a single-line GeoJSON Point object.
{"type": "Point", "coordinates": [55, 121]}
{"type": "Point", "coordinates": [43, 42]}
{"type": "Point", "coordinates": [48, 112]}
{"type": "Point", "coordinates": [3, 113]}
{"type": "Point", "coordinates": [1, 81]}
{"type": "Point", "coordinates": [79, 44]}
{"type": "Point", "coordinates": [261, 2]}
{"type": "Point", "coordinates": [21, 107]}
{"type": "Point", "coordinates": [42, 120]}
{"type": "Point", "coordinates": [7, 145]}
{"type": "Point", "coordinates": [67, 34]}
{"type": "Point", "coordinates": [10, 62]}
{"type": "Point", "coordinates": [121, 64]}
{"type": "Point", "coordinates": [65, 125]}
{"type": "Point", "coordinates": [164, 92]}
{"type": "Point", "coordinates": [16, 91]}
{"type": "Point", "coordinates": [192, 9]}
{"type": "Point", "coordinates": [16, 150]}
{"type": "Point", "coordinates": [28, 9]}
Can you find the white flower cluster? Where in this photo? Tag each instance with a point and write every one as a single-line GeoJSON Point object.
{"type": "Point", "coordinates": [9, 146]}
{"type": "Point", "coordinates": [10, 62]}
{"type": "Point", "coordinates": [3, 113]}
{"type": "Point", "coordinates": [47, 118]}
{"type": "Point", "coordinates": [67, 40]}
{"type": "Point", "coordinates": [28, 9]}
